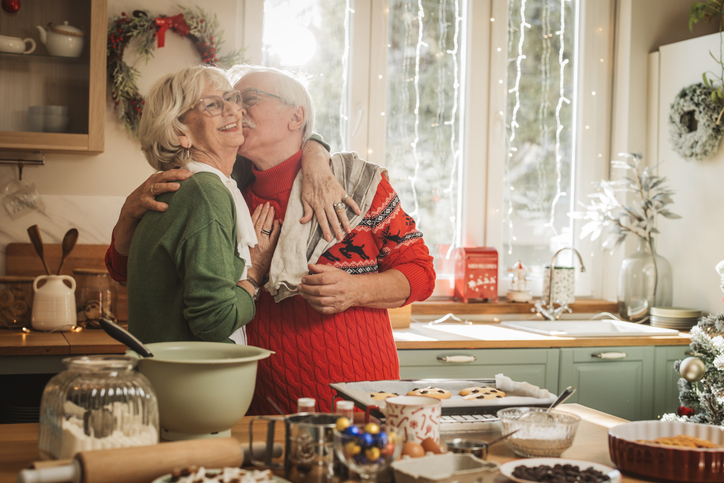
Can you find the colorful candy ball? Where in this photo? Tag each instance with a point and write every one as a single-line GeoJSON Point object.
{"type": "Point", "coordinates": [343, 423]}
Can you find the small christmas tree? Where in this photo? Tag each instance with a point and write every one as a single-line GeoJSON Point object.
{"type": "Point", "coordinates": [701, 388]}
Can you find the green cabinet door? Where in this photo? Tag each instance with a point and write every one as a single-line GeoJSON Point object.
{"type": "Point", "coordinates": [666, 391]}
{"type": "Point", "coordinates": [615, 380]}
{"type": "Point", "coordinates": [536, 366]}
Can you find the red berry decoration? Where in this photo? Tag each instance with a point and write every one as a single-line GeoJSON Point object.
{"type": "Point", "coordinates": [11, 6]}
{"type": "Point", "coordinates": [684, 411]}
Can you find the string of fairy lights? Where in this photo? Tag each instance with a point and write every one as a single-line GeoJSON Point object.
{"type": "Point", "coordinates": [519, 59]}
{"type": "Point", "coordinates": [544, 105]}
{"type": "Point", "coordinates": [513, 125]}
{"type": "Point", "coordinates": [559, 125]}
{"type": "Point", "coordinates": [344, 103]}
{"type": "Point", "coordinates": [454, 194]}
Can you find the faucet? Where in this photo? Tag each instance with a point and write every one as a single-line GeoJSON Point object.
{"type": "Point", "coordinates": [548, 311]}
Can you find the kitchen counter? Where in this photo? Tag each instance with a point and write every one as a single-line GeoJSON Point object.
{"type": "Point", "coordinates": [19, 443]}
{"type": "Point", "coordinates": [15, 343]}
{"type": "Point", "coordinates": [419, 336]}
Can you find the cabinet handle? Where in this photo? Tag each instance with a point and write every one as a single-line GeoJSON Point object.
{"type": "Point", "coordinates": [457, 359]}
{"type": "Point", "coordinates": [610, 355]}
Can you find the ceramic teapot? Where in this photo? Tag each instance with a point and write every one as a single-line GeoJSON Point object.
{"type": "Point", "coordinates": [62, 40]}
{"type": "Point", "coordinates": [16, 45]}
{"type": "Point", "coordinates": [54, 303]}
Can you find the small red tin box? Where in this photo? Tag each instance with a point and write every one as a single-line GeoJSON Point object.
{"type": "Point", "coordinates": [476, 274]}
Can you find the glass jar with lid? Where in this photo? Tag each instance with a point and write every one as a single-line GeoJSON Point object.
{"type": "Point", "coordinates": [97, 402]}
{"type": "Point", "coordinates": [96, 296]}
{"type": "Point", "coordinates": [16, 302]}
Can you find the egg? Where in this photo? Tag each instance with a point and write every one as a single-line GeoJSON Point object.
{"type": "Point", "coordinates": [412, 449]}
{"type": "Point", "coordinates": [430, 445]}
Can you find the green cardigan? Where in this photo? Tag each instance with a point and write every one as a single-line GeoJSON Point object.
{"type": "Point", "coordinates": [183, 267]}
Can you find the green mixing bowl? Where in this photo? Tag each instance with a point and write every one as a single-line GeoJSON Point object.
{"type": "Point", "coordinates": [203, 388]}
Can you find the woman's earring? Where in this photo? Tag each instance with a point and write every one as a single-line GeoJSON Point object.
{"type": "Point", "coordinates": [188, 153]}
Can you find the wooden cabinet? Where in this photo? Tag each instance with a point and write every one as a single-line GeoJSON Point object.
{"type": "Point", "coordinates": [666, 379]}
{"type": "Point", "coordinates": [536, 366]}
{"type": "Point", "coordinates": [633, 382]}
{"type": "Point", "coordinates": [39, 79]}
{"type": "Point", "coordinates": [622, 385]}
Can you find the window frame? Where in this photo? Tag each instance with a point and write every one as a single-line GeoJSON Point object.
{"type": "Point", "coordinates": [483, 156]}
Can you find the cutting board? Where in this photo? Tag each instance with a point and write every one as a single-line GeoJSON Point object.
{"type": "Point", "coordinates": [21, 259]}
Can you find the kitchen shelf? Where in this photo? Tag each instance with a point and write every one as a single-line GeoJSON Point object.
{"type": "Point", "coordinates": [42, 79]}
{"type": "Point", "coordinates": [35, 56]}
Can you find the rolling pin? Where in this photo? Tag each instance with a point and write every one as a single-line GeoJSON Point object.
{"type": "Point", "coordinates": [143, 464]}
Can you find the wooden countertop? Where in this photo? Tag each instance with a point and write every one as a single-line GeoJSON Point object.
{"type": "Point", "coordinates": [499, 337]}
{"type": "Point", "coordinates": [95, 341]}
{"type": "Point", "coordinates": [19, 443]}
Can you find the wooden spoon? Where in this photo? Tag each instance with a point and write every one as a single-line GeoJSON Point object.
{"type": "Point", "coordinates": [71, 236]}
{"type": "Point", "coordinates": [37, 241]}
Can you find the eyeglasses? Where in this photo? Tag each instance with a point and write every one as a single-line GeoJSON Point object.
{"type": "Point", "coordinates": [214, 105]}
{"type": "Point", "coordinates": [251, 96]}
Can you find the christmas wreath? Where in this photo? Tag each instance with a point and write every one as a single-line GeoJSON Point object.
{"type": "Point", "coordinates": [149, 30]}
{"type": "Point", "coordinates": [694, 129]}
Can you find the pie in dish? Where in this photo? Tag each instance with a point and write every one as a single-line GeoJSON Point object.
{"type": "Point", "coordinates": [681, 440]}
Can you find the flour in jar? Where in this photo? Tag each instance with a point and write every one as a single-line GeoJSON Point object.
{"type": "Point", "coordinates": [122, 429]}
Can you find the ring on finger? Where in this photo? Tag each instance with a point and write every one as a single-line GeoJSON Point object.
{"type": "Point", "coordinates": [339, 206]}
{"type": "Point", "coordinates": [153, 193]}
{"type": "Point", "coordinates": [344, 198]}
{"type": "Point", "coordinates": [267, 232]}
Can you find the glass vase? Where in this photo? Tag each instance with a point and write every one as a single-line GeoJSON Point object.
{"type": "Point", "coordinates": [644, 281]}
{"type": "Point", "coordinates": [98, 402]}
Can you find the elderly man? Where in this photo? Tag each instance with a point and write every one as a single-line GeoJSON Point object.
{"type": "Point", "coordinates": [326, 320]}
{"type": "Point", "coordinates": [323, 312]}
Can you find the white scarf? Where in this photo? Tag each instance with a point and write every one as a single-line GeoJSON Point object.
{"type": "Point", "coordinates": [245, 234]}
{"type": "Point", "coordinates": [289, 262]}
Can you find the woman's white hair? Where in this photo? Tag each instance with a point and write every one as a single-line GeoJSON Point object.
{"type": "Point", "coordinates": [292, 88]}
{"type": "Point", "coordinates": [166, 103]}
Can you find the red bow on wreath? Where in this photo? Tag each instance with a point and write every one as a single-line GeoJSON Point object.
{"type": "Point", "coordinates": [177, 24]}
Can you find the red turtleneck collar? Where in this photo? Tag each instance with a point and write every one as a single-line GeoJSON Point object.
{"type": "Point", "coordinates": [278, 179]}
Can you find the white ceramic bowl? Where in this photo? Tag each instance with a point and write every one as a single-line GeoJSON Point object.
{"type": "Point", "coordinates": [203, 388]}
{"type": "Point", "coordinates": [632, 455]}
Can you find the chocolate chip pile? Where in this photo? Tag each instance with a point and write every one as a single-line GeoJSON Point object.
{"type": "Point", "coordinates": [559, 474]}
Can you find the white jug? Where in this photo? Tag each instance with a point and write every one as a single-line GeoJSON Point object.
{"type": "Point", "coordinates": [54, 303]}
{"type": "Point", "coordinates": [16, 45]}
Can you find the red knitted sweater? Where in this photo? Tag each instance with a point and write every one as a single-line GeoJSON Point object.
{"type": "Point", "coordinates": [311, 349]}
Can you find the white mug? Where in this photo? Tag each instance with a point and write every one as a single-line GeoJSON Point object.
{"type": "Point", "coordinates": [415, 418]}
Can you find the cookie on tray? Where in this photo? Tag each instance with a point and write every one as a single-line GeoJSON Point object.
{"type": "Point", "coordinates": [491, 392]}
{"type": "Point", "coordinates": [382, 395]}
{"type": "Point", "coordinates": [430, 391]}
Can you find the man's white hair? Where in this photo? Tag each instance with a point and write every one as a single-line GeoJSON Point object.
{"type": "Point", "coordinates": [292, 88]}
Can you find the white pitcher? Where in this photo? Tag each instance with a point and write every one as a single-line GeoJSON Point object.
{"type": "Point", "coordinates": [54, 303]}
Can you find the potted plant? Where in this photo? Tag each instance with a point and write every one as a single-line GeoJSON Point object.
{"type": "Point", "coordinates": [629, 206]}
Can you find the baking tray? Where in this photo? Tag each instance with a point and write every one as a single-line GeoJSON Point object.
{"type": "Point", "coordinates": [359, 392]}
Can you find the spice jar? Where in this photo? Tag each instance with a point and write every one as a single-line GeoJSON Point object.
{"type": "Point", "coordinates": [98, 402]}
{"type": "Point", "coordinates": [16, 302]}
{"type": "Point", "coordinates": [96, 296]}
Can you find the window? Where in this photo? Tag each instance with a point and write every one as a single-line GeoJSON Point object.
{"type": "Point", "coordinates": [487, 122]}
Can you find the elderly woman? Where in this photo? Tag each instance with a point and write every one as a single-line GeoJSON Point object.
{"type": "Point", "coordinates": [194, 270]}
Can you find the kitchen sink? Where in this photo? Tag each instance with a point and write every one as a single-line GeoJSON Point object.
{"type": "Point", "coordinates": [588, 328]}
